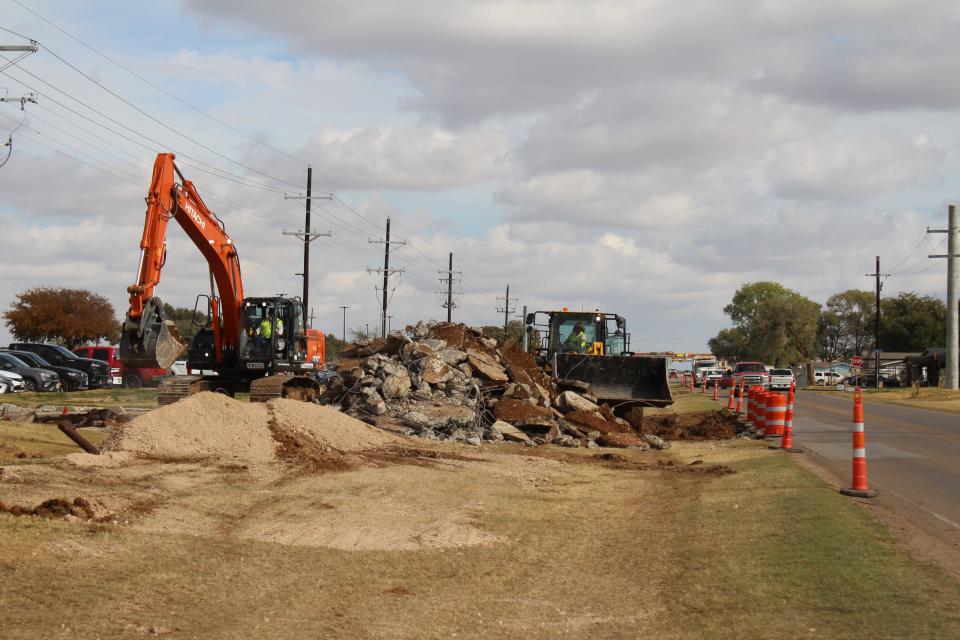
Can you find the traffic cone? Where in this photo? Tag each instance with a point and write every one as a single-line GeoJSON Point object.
{"type": "Point", "coordinates": [716, 391]}
{"type": "Point", "coordinates": [65, 411]}
{"type": "Point", "coordinates": [703, 386]}
{"type": "Point", "coordinates": [730, 400]}
{"type": "Point", "coordinates": [860, 488]}
{"type": "Point", "coordinates": [740, 400]}
{"type": "Point", "coordinates": [787, 443]}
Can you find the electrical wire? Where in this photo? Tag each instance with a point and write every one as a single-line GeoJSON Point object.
{"type": "Point", "coordinates": [159, 145]}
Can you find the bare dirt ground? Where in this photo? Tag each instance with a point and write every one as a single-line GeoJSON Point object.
{"type": "Point", "coordinates": [395, 540]}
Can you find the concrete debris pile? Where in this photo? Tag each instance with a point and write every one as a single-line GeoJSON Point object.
{"type": "Point", "coordinates": [448, 382]}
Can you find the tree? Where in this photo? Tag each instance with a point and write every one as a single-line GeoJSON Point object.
{"type": "Point", "coordinates": [333, 346]}
{"type": "Point", "coordinates": [730, 344]}
{"type": "Point", "coordinates": [911, 322]}
{"type": "Point", "coordinates": [832, 340]}
{"type": "Point", "coordinates": [68, 316]}
{"type": "Point", "coordinates": [776, 324]}
{"type": "Point", "coordinates": [515, 329]}
{"type": "Point", "coordinates": [854, 311]}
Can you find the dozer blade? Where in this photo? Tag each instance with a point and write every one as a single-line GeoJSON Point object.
{"type": "Point", "coordinates": [151, 342]}
{"type": "Point", "coordinates": [618, 379]}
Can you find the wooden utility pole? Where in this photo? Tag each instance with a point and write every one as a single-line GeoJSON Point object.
{"type": "Point", "coordinates": [506, 310]}
{"type": "Point", "coordinates": [449, 274]}
{"type": "Point", "coordinates": [344, 323]}
{"type": "Point", "coordinates": [386, 272]}
{"type": "Point", "coordinates": [307, 236]}
{"type": "Point", "coordinates": [876, 325]}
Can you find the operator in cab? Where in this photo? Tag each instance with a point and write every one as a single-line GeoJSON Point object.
{"type": "Point", "coordinates": [577, 341]}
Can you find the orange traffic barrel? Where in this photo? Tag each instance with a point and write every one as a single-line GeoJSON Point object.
{"type": "Point", "coordinates": [760, 410]}
{"type": "Point", "coordinates": [776, 415]}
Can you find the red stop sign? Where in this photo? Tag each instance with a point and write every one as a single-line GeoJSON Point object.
{"type": "Point", "coordinates": [857, 361]}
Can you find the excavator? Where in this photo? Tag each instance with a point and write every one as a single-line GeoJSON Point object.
{"type": "Point", "coordinates": [260, 345]}
{"type": "Point", "coordinates": [599, 359]}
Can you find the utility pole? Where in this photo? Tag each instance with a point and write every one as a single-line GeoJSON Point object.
{"type": "Point", "coordinates": [344, 322]}
{"type": "Point", "coordinates": [23, 100]}
{"type": "Point", "coordinates": [876, 327]}
{"type": "Point", "coordinates": [387, 272]}
{"type": "Point", "coordinates": [953, 283]}
{"type": "Point", "coordinates": [526, 334]}
{"type": "Point", "coordinates": [389, 323]}
{"type": "Point", "coordinates": [449, 305]}
{"type": "Point", "coordinates": [306, 235]}
{"type": "Point", "coordinates": [506, 310]}
{"type": "Point", "coordinates": [23, 49]}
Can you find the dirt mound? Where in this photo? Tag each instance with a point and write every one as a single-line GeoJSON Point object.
{"type": "Point", "coordinates": [211, 425]}
{"type": "Point", "coordinates": [700, 425]}
{"type": "Point", "coordinates": [202, 425]}
{"type": "Point", "coordinates": [53, 508]}
{"type": "Point", "coordinates": [326, 427]}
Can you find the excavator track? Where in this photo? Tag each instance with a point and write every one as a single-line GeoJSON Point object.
{"type": "Point", "coordinates": [174, 388]}
{"type": "Point", "coordinates": [285, 386]}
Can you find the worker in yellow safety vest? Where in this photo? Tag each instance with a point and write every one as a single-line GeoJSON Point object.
{"type": "Point", "coordinates": [577, 341]}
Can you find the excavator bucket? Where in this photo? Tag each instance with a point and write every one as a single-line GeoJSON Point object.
{"type": "Point", "coordinates": [150, 342]}
{"type": "Point", "coordinates": [618, 379]}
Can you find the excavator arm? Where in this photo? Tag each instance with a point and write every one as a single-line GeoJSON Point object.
{"type": "Point", "coordinates": [149, 339]}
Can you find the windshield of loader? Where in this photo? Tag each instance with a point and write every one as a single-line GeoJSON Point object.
{"type": "Point", "coordinates": [569, 341]}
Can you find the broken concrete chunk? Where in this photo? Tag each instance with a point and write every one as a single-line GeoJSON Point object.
{"type": "Point", "coordinates": [396, 386]}
{"type": "Point", "coordinates": [434, 371]}
{"type": "Point", "coordinates": [572, 401]}
{"type": "Point", "coordinates": [486, 366]}
{"type": "Point", "coordinates": [453, 357]}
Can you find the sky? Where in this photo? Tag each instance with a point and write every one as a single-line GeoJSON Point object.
{"type": "Point", "coordinates": [641, 157]}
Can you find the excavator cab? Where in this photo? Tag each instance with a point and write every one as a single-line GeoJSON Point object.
{"type": "Point", "coordinates": [272, 333]}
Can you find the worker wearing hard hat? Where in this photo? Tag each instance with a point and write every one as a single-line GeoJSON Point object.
{"type": "Point", "coordinates": [577, 341]}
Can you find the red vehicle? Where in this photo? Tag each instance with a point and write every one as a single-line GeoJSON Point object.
{"type": "Point", "coordinates": [753, 373]}
{"type": "Point", "coordinates": [130, 377]}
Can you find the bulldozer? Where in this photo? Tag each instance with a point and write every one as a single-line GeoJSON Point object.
{"type": "Point", "coordinates": [255, 344]}
{"type": "Point", "coordinates": [590, 351]}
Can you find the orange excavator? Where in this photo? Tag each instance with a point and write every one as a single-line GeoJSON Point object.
{"type": "Point", "coordinates": [260, 345]}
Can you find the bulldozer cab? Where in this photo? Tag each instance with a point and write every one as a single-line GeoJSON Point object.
{"type": "Point", "coordinates": [602, 333]}
{"type": "Point", "coordinates": [599, 358]}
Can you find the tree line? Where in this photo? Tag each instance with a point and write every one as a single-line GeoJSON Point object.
{"type": "Point", "coordinates": [777, 325]}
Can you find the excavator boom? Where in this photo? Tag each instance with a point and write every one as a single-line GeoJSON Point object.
{"type": "Point", "coordinates": [148, 338]}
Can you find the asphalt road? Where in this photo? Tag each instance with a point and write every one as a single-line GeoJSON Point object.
{"type": "Point", "coordinates": [913, 456]}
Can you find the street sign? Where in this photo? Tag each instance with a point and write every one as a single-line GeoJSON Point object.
{"type": "Point", "coordinates": [857, 361]}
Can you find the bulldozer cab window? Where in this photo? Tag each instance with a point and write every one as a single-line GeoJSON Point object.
{"type": "Point", "coordinates": [568, 341]}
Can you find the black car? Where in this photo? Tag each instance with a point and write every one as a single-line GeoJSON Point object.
{"type": "Point", "coordinates": [72, 379]}
{"type": "Point", "coordinates": [98, 371]}
{"type": "Point", "coordinates": [34, 379]}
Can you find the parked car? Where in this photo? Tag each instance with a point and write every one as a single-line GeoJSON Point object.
{"type": "Point", "coordinates": [98, 372]}
{"type": "Point", "coordinates": [33, 379]}
{"type": "Point", "coordinates": [11, 382]}
{"type": "Point", "coordinates": [869, 381]}
{"type": "Point", "coordinates": [72, 379]}
{"type": "Point", "coordinates": [129, 377]}
{"type": "Point", "coordinates": [781, 379]}
{"type": "Point", "coordinates": [827, 378]}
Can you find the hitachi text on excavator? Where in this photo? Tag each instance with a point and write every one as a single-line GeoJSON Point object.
{"type": "Point", "coordinates": [260, 345]}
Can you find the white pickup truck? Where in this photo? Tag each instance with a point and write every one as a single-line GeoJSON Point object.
{"type": "Point", "coordinates": [781, 379]}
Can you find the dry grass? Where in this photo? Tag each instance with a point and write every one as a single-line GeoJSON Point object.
{"type": "Point", "coordinates": [685, 401]}
{"type": "Point", "coordinates": [920, 397]}
{"type": "Point", "coordinates": [25, 442]}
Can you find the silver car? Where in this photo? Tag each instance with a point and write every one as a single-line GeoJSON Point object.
{"type": "Point", "coordinates": [11, 382]}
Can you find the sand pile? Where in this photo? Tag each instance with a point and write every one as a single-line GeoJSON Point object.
{"type": "Point", "coordinates": [202, 425]}
{"type": "Point", "coordinates": [327, 427]}
{"type": "Point", "coordinates": [212, 425]}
